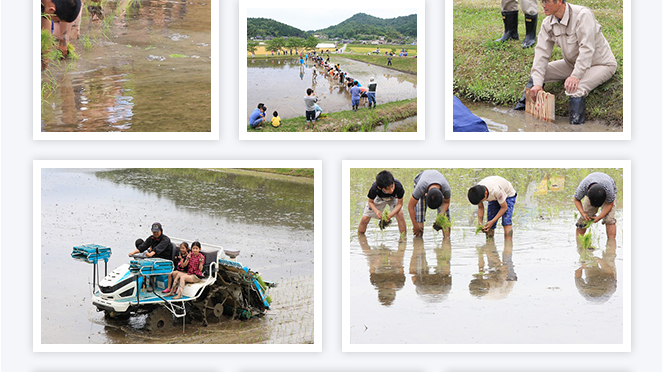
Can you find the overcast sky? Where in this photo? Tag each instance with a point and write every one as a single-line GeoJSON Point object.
{"type": "Point", "coordinates": [319, 18]}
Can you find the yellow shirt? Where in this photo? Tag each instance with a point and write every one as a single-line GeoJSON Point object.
{"type": "Point", "coordinates": [276, 121]}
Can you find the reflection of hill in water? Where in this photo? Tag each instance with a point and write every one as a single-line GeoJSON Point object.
{"type": "Point", "coordinates": [240, 198]}
{"type": "Point", "coordinates": [275, 63]}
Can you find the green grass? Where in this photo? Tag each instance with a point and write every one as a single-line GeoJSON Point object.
{"type": "Point", "coordinates": [404, 64]}
{"type": "Point", "coordinates": [363, 120]}
{"type": "Point", "coordinates": [497, 72]}
{"type": "Point", "coordinates": [368, 48]}
{"type": "Point", "coordinates": [296, 172]}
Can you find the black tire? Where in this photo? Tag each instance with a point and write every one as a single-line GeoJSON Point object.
{"type": "Point", "coordinates": [159, 320]}
{"type": "Point", "coordinates": [113, 316]}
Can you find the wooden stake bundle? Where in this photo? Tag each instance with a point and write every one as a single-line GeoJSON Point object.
{"type": "Point", "coordinates": [543, 108]}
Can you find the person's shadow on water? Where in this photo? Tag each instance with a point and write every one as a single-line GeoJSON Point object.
{"type": "Point", "coordinates": [386, 271]}
{"type": "Point", "coordinates": [496, 277]}
{"type": "Point", "coordinates": [596, 278]}
{"type": "Point", "coordinates": [433, 284]}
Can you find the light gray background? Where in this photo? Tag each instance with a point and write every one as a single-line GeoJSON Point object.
{"type": "Point", "coordinates": [19, 150]}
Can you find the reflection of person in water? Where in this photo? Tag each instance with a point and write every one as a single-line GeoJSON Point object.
{"type": "Point", "coordinates": [385, 270]}
{"type": "Point", "coordinates": [496, 281]}
{"type": "Point", "coordinates": [432, 283]}
{"type": "Point", "coordinates": [596, 278]}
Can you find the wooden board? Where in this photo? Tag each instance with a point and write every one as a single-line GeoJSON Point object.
{"type": "Point", "coordinates": [544, 106]}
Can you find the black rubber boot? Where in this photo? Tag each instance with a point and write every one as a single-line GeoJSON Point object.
{"type": "Point", "coordinates": [530, 30]}
{"type": "Point", "coordinates": [510, 26]}
{"type": "Point", "coordinates": [576, 110]}
{"type": "Point", "coordinates": [520, 105]}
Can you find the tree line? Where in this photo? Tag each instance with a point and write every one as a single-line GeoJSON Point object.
{"type": "Point", "coordinates": [280, 43]}
{"type": "Point", "coordinates": [268, 27]}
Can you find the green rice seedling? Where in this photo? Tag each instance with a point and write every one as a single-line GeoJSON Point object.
{"type": "Point", "coordinates": [585, 240]}
{"type": "Point", "coordinates": [441, 222]}
{"type": "Point", "coordinates": [478, 229]}
{"type": "Point", "coordinates": [49, 50]}
{"type": "Point", "coordinates": [87, 42]}
{"type": "Point", "coordinates": [71, 52]}
{"type": "Point", "coordinates": [178, 56]}
{"type": "Point", "coordinates": [384, 221]}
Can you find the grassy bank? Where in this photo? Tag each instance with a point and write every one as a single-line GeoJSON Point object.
{"type": "Point", "coordinates": [368, 48]}
{"type": "Point", "coordinates": [292, 174]}
{"type": "Point", "coordinates": [497, 72]}
{"type": "Point", "coordinates": [364, 120]}
{"type": "Point", "coordinates": [403, 64]}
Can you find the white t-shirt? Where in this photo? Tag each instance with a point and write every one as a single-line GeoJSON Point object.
{"type": "Point", "coordinates": [498, 188]}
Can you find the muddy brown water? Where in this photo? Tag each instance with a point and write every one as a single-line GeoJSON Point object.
{"type": "Point", "coordinates": [148, 70]}
{"type": "Point", "coordinates": [504, 119]}
{"type": "Point", "coordinates": [281, 85]}
{"type": "Point", "coordinates": [540, 289]}
{"type": "Point", "coordinates": [115, 207]}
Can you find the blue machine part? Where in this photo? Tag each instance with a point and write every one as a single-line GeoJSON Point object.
{"type": "Point", "coordinates": [231, 263]}
{"type": "Point", "coordinates": [261, 292]}
{"type": "Point", "coordinates": [91, 253]}
{"type": "Point", "coordinates": [151, 266]}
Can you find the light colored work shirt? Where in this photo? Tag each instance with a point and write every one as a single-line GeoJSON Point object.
{"type": "Point", "coordinates": [579, 36]}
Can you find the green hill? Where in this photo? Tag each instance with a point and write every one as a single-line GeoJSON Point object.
{"type": "Point", "coordinates": [268, 27]}
{"type": "Point", "coordinates": [364, 24]}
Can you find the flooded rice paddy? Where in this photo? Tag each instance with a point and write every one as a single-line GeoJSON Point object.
{"type": "Point", "coordinates": [269, 219]}
{"type": "Point", "coordinates": [504, 119]}
{"type": "Point", "coordinates": [539, 289]}
{"type": "Point", "coordinates": [146, 67]}
{"type": "Point", "coordinates": [281, 85]}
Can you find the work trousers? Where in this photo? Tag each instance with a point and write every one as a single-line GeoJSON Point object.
{"type": "Point", "coordinates": [529, 7]}
{"type": "Point", "coordinates": [595, 76]}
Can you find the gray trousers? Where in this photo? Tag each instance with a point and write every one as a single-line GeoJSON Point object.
{"type": "Point", "coordinates": [529, 7]}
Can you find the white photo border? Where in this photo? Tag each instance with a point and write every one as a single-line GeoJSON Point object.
{"type": "Point", "coordinates": [316, 165]}
{"type": "Point", "coordinates": [420, 134]}
{"type": "Point", "coordinates": [347, 346]}
{"type": "Point", "coordinates": [213, 134]}
{"type": "Point", "coordinates": [449, 134]}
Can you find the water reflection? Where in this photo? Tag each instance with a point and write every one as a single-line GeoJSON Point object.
{"type": "Point", "coordinates": [236, 197]}
{"type": "Point", "coordinates": [496, 276]}
{"type": "Point", "coordinates": [386, 271]}
{"type": "Point", "coordinates": [282, 84]}
{"type": "Point", "coordinates": [596, 278]}
{"type": "Point", "coordinates": [133, 67]}
{"type": "Point", "coordinates": [432, 283]}
{"type": "Point", "coordinates": [504, 119]}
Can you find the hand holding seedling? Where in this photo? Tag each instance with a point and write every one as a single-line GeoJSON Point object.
{"type": "Point", "coordinates": [487, 226]}
{"type": "Point", "coordinates": [417, 230]}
